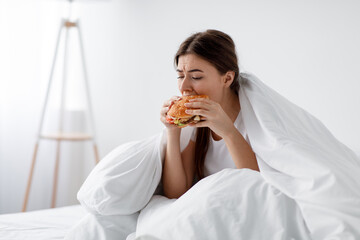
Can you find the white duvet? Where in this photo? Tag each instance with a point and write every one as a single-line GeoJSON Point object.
{"type": "Point", "coordinates": [231, 204]}
{"type": "Point", "coordinates": [307, 187]}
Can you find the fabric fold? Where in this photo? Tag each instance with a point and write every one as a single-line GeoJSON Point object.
{"type": "Point", "coordinates": [298, 155]}
{"type": "Point", "coordinates": [307, 186]}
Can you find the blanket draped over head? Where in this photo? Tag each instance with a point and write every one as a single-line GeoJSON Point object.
{"type": "Point", "coordinates": [308, 186]}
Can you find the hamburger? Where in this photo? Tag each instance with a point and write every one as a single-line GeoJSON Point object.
{"type": "Point", "coordinates": [176, 114]}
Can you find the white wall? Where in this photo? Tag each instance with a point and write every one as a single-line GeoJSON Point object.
{"type": "Point", "coordinates": [306, 50]}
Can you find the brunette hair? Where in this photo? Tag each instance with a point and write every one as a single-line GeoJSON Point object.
{"type": "Point", "coordinates": [218, 49]}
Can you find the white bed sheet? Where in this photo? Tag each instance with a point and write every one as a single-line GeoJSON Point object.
{"type": "Point", "coordinates": [46, 224]}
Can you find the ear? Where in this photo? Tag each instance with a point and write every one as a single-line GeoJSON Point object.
{"type": "Point", "coordinates": [229, 78]}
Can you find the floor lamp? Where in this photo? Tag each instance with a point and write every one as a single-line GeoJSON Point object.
{"type": "Point", "coordinates": [60, 136]}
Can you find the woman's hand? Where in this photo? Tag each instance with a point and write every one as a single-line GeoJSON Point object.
{"type": "Point", "coordinates": [212, 116]}
{"type": "Point", "coordinates": [163, 112]}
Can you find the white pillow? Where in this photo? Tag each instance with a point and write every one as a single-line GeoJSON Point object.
{"type": "Point", "coordinates": [125, 180]}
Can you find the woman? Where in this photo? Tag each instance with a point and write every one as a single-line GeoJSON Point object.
{"type": "Point", "coordinates": [206, 63]}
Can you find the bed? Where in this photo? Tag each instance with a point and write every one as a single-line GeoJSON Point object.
{"type": "Point", "coordinates": [48, 224]}
{"type": "Point", "coordinates": [307, 187]}
{"type": "Point", "coordinates": [56, 223]}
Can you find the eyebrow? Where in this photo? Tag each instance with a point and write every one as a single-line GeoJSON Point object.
{"type": "Point", "coordinates": [192, 70]}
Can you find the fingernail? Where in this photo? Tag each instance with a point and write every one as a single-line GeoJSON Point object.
{"type": "Point", "coordinates": [187, 111]}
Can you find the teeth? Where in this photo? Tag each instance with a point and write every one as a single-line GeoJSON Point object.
{"type": "Point", "coordinates": [187, 94]}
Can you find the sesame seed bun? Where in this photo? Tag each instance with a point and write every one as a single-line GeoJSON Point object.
{"type": "Point", "coordinates": [177, 110]}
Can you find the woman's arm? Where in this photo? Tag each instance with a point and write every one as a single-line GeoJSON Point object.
{"type": "Point", "coordinates": [179, 168]}
{"type": "Point", "coordinates": [240, 150]}
{"type": "Point", "coordinates": [218, 121]}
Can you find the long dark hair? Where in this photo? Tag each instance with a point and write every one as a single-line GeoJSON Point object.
{"type": "Point", "coordinates": [218, 49]}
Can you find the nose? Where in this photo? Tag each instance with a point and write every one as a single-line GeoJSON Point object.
{"type": "Point", "coordinates": [185, 85]}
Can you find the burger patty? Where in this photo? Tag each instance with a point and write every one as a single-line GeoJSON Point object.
{"type": "Point", "coordinates": [184, 121]}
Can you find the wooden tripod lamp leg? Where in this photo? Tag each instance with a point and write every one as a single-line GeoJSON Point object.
{"type": "Point", "coordinates": [91, 116]}
{"type": "Point", "coordinates": [42, 119]}
{"type": "Point", "coordinates": [96, 154]}
{"type": "Point", "coordinates": [30, 178]}
{"type": "Point", "coordinates": [56, 174]}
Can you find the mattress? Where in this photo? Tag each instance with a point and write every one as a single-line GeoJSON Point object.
{"type": "Point", "coordinates": [46, 224]}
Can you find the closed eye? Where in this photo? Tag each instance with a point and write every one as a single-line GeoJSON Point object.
{"type": "Point", "coordinates": [194, 78]}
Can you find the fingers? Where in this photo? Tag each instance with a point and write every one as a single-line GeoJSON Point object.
{"type": "Point", "coordinates": [164, 110]}
{"type": "Point", "coordinates": [202, 108]}
{"type": "Point", "coordinates": [204, 100]}
{"type": "Point", "coordinates": [163, 119]}
{"type": "Point", "coordinates": [201, 112]}
{"type": "Point", "coordinates": [167, 104]}
{"type": "Point", "coordinates": [202, 103]}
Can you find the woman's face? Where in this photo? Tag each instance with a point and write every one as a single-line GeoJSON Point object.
{"type": "Point", "coordinates": [197, 76]}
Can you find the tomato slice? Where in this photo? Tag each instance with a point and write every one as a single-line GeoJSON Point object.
{"type": "Point", "coordinates": [169, 119]}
